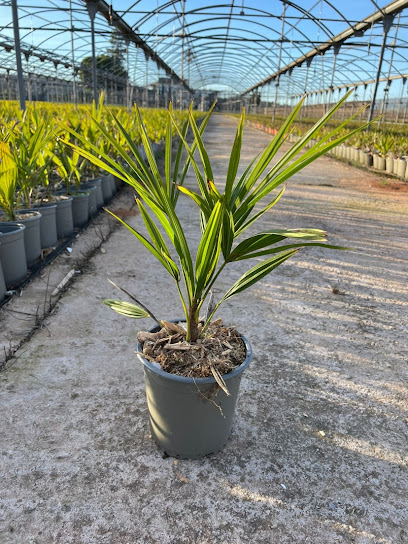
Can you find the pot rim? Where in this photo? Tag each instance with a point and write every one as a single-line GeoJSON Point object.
{"type": "Point", "coordinates": [37, 215]}
{"type": "Point", "coordinates": [106, 178]}
{"type": "Point", "coordinates": [94, 180]}
{"type": "Point", "coordinates": [51, 206]}
{"type": "Point", "coordinates": [80, 194]}
{"type": "Point", "coordinates": [19, 227]}
{"type": "Point", "coordinates": [185, 379]}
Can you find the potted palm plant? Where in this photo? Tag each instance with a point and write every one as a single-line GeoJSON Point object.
{"type": "Point", "coordinates": [70, 168]}
{"type": "Point", "coordinates": [29, 141]}
{"type": "Point", "coordinates": [104, 182]}
{"type": "Point", "coordinates": [193, 367]}
{"type": "Point", "coordinates": [384, 143]}
{"type": "Point", "coordinates": [13, 257]}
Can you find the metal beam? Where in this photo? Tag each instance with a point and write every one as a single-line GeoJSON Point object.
{"type": "Point", "coordinates": [28, 50]}
{"type": "Point", "coordinates": [387, 23]}
{"type": "Point", "coordinates": [128, 33]}
{"type": "Point", "coordinates": [391, 9]}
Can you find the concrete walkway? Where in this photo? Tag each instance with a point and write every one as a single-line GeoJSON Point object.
{"type": "Point", "coordinates": [318, 449]}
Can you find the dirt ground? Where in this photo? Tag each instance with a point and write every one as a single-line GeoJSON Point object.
{"type": "Point", "coordinates": [318, 451]}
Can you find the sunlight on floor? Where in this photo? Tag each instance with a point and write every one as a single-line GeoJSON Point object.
{"type": "Point", "coordinates": [384, 394]}
{"type": "Point", "coordinates": [246, 494]}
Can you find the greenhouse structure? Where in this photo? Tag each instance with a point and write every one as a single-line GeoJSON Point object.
{"type": "Point", "coordinates": [203, 272]}
{"type": "Point", "coordinates": [264, 56]}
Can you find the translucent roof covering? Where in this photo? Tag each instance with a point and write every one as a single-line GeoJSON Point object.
{"type": "Point", "coordinates": [231, 47]}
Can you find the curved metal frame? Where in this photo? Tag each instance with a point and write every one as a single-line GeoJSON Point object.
{"type": "Point", "coordinates": [231, 50]}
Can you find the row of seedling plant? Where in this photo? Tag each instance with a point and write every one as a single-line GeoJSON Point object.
{"type": "Point", "coordinates": [47, 190]}
{"type": "Point", "coordinates": [385, 150]}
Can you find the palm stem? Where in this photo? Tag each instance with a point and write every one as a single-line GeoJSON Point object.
{"type": "Point", "coordinates": [212, 283]}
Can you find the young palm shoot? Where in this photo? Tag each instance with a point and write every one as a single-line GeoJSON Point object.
{"type": "Point", "coordinates": [69, 167]}
{"type": "Point", "coordinates": [28, 143]}
{"type": "Point", "coordinates": [225, 217]}
{"type": "Point", "coordinates": [8, 181]}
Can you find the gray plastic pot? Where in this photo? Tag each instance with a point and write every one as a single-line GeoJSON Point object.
{"type": "Point", "coordinates": [113, 185]}
{"type": "Point", "coordinates": [12, 253]}
{"type": "Point", "coordinates": [381, 163]}
{"type": "Point", "coordinates": [32, 234]}
{"type": "Point", "coordinates": [2, 284]}
{"type": "Point", "coordinates": [48, 225]}
{"type": "Point", "coordinates": [183, 422]}
{"type": "Point", "coordinates": [65, 223]}
{"type": "Point", "coordinates": [80, 209]}
{"type": "Point", "coordinates": [400, 166]}
{"type": "Point", "coordinates": [389, 165]}
{"type": "Point", "coordinates": [375, 160]}
{"type": "Point", "coordinates": [99, 194]}
{"type": "Point", "coordinates": [118, 183]}
{"type": "Point", "coordinates": [106, 188]}
{"type": "Point", "coordinates": [92, 203]}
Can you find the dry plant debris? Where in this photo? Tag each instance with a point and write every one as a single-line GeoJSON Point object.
{"type": "Point", "coordinates": [218, 352]}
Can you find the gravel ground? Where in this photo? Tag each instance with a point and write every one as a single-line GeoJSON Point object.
{"type": "Point", "coordinates": [318, 449]}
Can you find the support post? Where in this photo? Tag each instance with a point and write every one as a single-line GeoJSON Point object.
{"type": "Point", "coordinates": [336, 49]}
{"type": "Point", "coordinates": [288, 74]}
{"type": "Point", "coordinates": [128, 101]}
{"type": "Point", "coordinates": [146, 82]}
{"type": "Point", "coordinates": [343, 109]}
{"type": "Point", "coordinates": [279, 62]}
{"type": "Point", "coordinates": [387, 23]}
{"type": "Point", "coordinates": [308, 63]}
{"type": "Point", "coordinates": [268, 98]}
{"type": "Point", "coordinates": [384, 104]}
{"type": "Point", "coordinates": [183, 5]}
{"type": "Point", "coordinates": [74, 84]}
{"type": "Point", "coordinates": [20, 78]}
{"type": "Point", "coordinates": [92, 8]}
{"type": "Point", "coordinates": [8, 84]}
{"type": "Point", "coordinates": [404, 80]}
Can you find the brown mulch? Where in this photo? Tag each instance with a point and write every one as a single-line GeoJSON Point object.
{"type": "Point", "coordinates": [218, 352]}
{"type": "Point", "coordinates": [19, 216]}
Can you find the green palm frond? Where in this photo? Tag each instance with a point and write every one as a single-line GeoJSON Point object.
{"type": "Point", "coordinates": [224, 216]}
